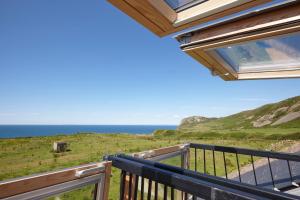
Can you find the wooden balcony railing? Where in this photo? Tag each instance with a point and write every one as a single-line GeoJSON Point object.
{"type": "Point", "coordinates": [49, 184]}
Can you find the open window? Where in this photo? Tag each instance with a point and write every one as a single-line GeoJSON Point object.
{"type": "Point", "coordinates": [258, 45]}
{"type": "Point", "coordinates": [239, 39]}
{"type": "Point", "coordinates": [164, 17]}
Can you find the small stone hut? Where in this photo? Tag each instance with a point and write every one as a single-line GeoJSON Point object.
{"type": "Point", "coordinates": [60, 147]}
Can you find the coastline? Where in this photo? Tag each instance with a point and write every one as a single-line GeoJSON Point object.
{"type": "Point", "coordinates": [29, 131]}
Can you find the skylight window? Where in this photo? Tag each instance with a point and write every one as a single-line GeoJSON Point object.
{"type": "Point", "coordinates": [237, 39]}
{"type": "Point", "coordinates": [258, 45]}
{"type": "Point", "coordinates": [164, 17]}
{"type": "Point", "coordinates": [281, 53]}
{"type": "Point", "coordinates": [182, 4]}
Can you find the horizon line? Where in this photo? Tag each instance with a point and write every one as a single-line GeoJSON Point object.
{"type": "Point", "coordinates": [89, 124]}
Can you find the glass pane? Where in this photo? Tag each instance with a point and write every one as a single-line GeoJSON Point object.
{"type": "Point", "coordinates": [84, 193]}
{"type": "Point", "coordinates": [174, 161]}
{"type": "Point", "coordinates": [176, 4]}
{"type": "Point", "coordinates": [274, 54]}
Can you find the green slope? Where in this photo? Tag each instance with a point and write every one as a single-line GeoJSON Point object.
{"type": "Point", "coordinates": [276, 118]}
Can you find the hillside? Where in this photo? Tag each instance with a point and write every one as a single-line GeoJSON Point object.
{"type": "Point", "coordinates": [282, 115]}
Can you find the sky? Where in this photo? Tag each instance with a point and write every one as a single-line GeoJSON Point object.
{"type": "Point", "coordinates": [85, 62]}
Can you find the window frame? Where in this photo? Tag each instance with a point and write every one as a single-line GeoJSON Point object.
{"type": "Point", "coordinates": [269, 23]}
{"type": "Point", "coordinates": [188, 5]}
{"type": "Point", "coordinates": [162, 20]}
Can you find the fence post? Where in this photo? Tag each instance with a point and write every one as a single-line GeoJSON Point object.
{"type": "Point", "coordinates": [185, 163]}
{"type": "Point", "coordinates": [102, 188]}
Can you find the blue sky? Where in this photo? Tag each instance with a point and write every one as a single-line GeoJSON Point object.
{"type": "Point", "coordinates": [85, 62]}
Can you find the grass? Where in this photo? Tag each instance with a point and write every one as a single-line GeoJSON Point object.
{"type": "Point", "coordinates": [243, 121]}
{"type": "Point", "coordinates": [24, 156]}
{"type": "Point", "coordinates": [254, 133]}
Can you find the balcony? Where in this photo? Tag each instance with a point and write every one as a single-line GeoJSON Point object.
{"type": "Point", "coordinates": [188, 171]}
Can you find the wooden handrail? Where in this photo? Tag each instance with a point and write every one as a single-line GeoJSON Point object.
{"type": "Point", "coordinates": [31, 183]}
{"type": "Point", "coordinates": [160, 151]}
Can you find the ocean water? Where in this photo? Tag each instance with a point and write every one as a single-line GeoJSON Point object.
{"type": "Point", "coordinates": [12, 131]}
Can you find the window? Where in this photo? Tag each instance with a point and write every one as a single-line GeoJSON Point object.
{"type": "Point", "coordinates": [182, 4]}
{"type": "Point", "coordinates": [164, 17]}
{"type": "Point", "coordinates": [239, 39]}
{"type": "Point", "coordinates": [280, 53]}
{"type": "Point", "coordinates": [262, 44]}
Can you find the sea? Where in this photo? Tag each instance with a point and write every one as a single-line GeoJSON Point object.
{"type": "Point", "coordinates": [14, 131]}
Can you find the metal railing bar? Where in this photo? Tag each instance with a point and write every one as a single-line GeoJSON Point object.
{"type": "Point", "coordinates": [238, 166]}
{"type": "Point", "coordinates": [271, 173]}
{"type": "Point", "coordinates": [290, 171]}
{"type": "Point", "coordinates": [182, 160]}
{"type": "Point", "coordinates": [204, 160]}
{"type": "Point", "coordinates": [142, 188]}
{"type": "Point", "coordinates": [136, 184]}
{"type": "Point", "coordinates": [214, 162]}
{"type": "Point", "coordinates": [149, 189]}
{"type": "Point", "coordinates": [156, 191]}
{"type": "Point", "coordinates": [165, 192]}
{"type": "Point", "coordinates": [130, 186]}
{"type": "Point", "coordinates": [195, 159]}
{"type": "Point", "coordinates": [225, 165]}
{"type": "Point", "coordinates": [172, 194]}
{"type": "Point", "coordinates": [148, 166]}
{"type": "Point", "coordinates": [122, 184]}
{"type": "Point", "coordinates": [259, 153]}
{"type": "Point", "coordinates": [253, 168]}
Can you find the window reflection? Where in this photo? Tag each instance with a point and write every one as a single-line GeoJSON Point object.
{"type": "Point", "coordinates": [271, 54]}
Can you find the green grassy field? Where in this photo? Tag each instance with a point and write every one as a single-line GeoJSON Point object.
{"type": "Point", "coordinates": [24, 156]}
{"type": "Point", "coordinates": [254, 133]}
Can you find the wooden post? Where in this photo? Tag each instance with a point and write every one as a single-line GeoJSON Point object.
{"type": "Point", "coordinates": [126, 188]}
{"type": "Point", "coordinates": [106, 180]}
{"type": "Point", "coordinates": [185, 164]}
